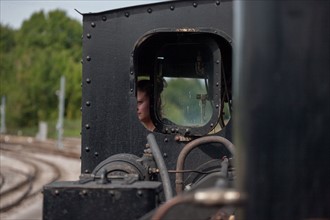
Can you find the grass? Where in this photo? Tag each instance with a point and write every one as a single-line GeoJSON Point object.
{"type": "Point", "coordinates": [71, 128]}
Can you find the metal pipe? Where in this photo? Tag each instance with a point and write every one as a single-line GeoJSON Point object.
{"type": "Point", "coordinates": [161, 166]}
{"type": "Point", "coordinates": [189, 147]}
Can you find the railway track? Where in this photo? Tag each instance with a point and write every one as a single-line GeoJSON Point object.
{"type": "Point", "coordinates": [26, 166]}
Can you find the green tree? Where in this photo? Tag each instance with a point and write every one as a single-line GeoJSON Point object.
{"type": "Point", "coordinates": [33, 59]}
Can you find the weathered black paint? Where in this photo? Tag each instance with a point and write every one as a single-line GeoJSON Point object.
{"type": "Point", "coordinates": [109, 43]}
{"type": "Point", "coordinates": [93, 200]}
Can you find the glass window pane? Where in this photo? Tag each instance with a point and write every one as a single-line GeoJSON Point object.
{"type": "Point", "coordinates": [185, 102]}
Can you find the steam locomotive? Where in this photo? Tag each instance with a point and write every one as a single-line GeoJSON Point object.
{"type": "Point", "coordinates": [252, 73]}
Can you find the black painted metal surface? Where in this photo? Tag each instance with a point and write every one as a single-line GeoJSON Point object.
{"type": "Point", "coordinates": [92, 200]}
{"type": "Point", "coordinates": [110, 124]}
{"type": "Point", "coordinates": [282, 120]}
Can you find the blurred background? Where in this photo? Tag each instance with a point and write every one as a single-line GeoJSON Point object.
{"type": "Point", "coordinates": [40, 42]}
{"type": "Point", "coordinates": [40, 98]}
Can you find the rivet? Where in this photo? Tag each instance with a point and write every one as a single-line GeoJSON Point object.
{"type": "Point", "coordinates": [81, 85]}
{"type": "Point", "coordinates": [217, 2]}
{"type": "Point", "coordinates": [217, 106]}
{"type": "Point", "coordinates": [81, 109]}
{"type": "Point", "coordinates": [84, 192]}
{"type": "Point", "coordinates": [93, 24]}
{"type": "Point", "coordinates": [217, 84]}
{"type": "Point", "coordinates": [104, 18]}
{"type": "Point", "coordinates": [57, 192]}
{"type": "Point", "coordinates": [164, 155]}
{"type": "Point", "coordinates": [211, 125]}
{"type": "Point", "coordinates": [172, 130]}
{"type": "Point", "coordinates": [132, 72]}
{"type": "Point", "coordinates": [96, 154]}
{"type": "Point", "coordinates": [187, 131]}
{"type": "Point", "coordinates": [218, 61]}
{"type": "Point", "coordinates": [139, 193]}
{"type": "Point", "coordinates": [88, 58]}
{"type": "Point", "coordinates": [127, 14]}
{"type": "Point", "coordinates": [149, 10]}
{"type": "Point", "coordinates": [89, 35]}
{"type": "Point", "coordinates": [87, 149]}
{"type": "Point", "coordinates": [88, 80]}
{"type": "Point", "coordinates": [172, 7]}
{"type": "Point", "coordinates": [82, 36]}
{"type": "Point", "coordinates": [81, 61]}
{"type": "Point", "coordinates": [88, 103]}
{"type": "Point", "coordinates": [87, 126]}
{"type": "Point", "coordinates": [86, 171]}
{"type": "Point", "coordinates": [195, 4]}
{"type": "Point", "coordinates": [132, 90]}
{"type": "Point", "coordinates": [165, 140]}
{"type": "Point", "coordinates": [112, 193]}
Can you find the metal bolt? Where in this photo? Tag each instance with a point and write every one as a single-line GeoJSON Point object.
{"type": "Point", "coordinates": [104, 18]}
{"type": "Point", "coordinates": [211, 125]}
{"type": "Point", "coordinates": [93, 24]}
{"type": "Point", "coordinates": [87, 149]}
{"type": "Point", "coordinates": [165, 140]}
{"type": "Point", "coordinates": [195, 4]}
{"type": "Point", "coordinates": [165, 155]}
{"type": "Point", "coordinates": [217, 106]}
{"type": "Point", "coordinates": [217, 2]}
{"type": "Point", "coordinates": [139, 193]}
{"type": "Point", "coordinates": [88, 58]}
{"type": "Point", "coordinates": [88, 103]}
{"type": "Point", "coordinates": [96, 154]}
{"type": "Point", "coordinates": [218, 61]}
{"type": "Point", "coordinates": [88, 80]}
{"type": "Point", "coordinates": [87, 126]}
{"type": "Point", "coordinates": [86, 171]}
{"type": "Point", "coordinates": [84, 192]}
{"type": "Point", "coordinates": [149, 10]}
{"type": "Point", "coordinates": [172, 7]}
{"type": "Point", "coordinates": [89, 35]}
{"type": "Point", "coordinates": [127, 14]}
{"type": "Point", "coordinates": [57, 192]}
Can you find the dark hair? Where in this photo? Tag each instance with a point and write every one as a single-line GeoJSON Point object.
{"type": "Point", "coordinates": [144, 86]}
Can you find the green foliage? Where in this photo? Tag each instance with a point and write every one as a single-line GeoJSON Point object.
{"type": "Point", "coordinates": [180, 103]}
{"type": "Point", "coordinates": [32, 60]}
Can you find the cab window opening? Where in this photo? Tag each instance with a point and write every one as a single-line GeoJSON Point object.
{"type": "Point", "coordinates": [188, 91]}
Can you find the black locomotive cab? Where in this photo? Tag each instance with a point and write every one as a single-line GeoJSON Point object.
{"type": "Point", "coordinates": [183, 166]}
{"type": "Point", "coordinates": [185, 54]}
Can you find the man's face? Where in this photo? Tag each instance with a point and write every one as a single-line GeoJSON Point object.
{"type": "Point", "coordinates": [143, 106]}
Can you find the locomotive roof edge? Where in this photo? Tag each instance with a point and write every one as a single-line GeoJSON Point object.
{"type": "Point", "coordinates": [154, 5]}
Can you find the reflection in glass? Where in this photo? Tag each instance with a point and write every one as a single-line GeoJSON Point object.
{"type": "Point", "coordinates": [185, 101]}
